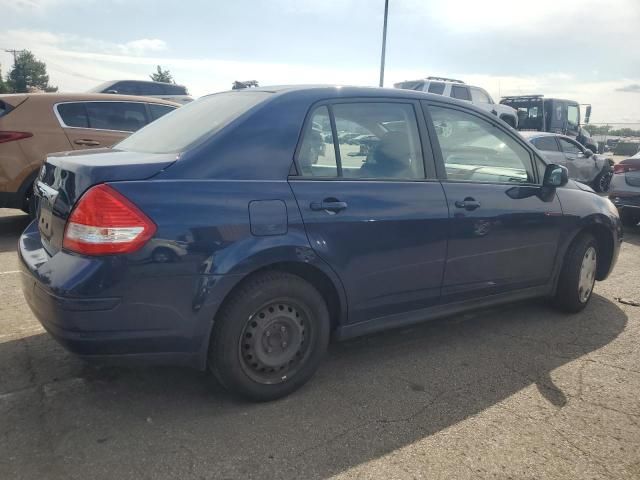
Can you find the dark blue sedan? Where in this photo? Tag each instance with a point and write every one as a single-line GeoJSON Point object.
{"type": "Point", "coordinates": [243, 230]}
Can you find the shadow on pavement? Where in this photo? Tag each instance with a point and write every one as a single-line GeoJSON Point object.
{"type": "Point", "coordinates": [372, 396]}
{"type": "Point", "coordinates": [11, 227]}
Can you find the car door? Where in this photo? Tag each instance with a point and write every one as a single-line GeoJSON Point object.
{"type": "Point", "coordinates": [581, 168]}
{"type": "Point", "coordinates": [369, 209]}
{"type": "Point", "coordinates": [503, 231]}
{"type": "Point", "coordinates": [96, 124]}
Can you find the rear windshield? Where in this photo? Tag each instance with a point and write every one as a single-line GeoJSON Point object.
{"type": "Point", "coordinates": [192, 123]}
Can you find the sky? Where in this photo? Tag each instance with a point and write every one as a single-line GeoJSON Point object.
{"type": "Point", "coordinates": [584, 50]}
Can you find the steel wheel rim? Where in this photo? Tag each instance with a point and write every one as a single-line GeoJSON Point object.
{"type": "Point", "coordinates": [587, 274]}
{"type": "Point", "coordinates": [275, 341]}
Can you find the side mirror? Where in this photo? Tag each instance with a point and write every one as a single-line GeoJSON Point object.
{"type": "Point", "coordinates": [587, 153]}
{"type": "Point", "coordinates": [111, 91]}
{"type": "Point", "coordinates": [587, 114]}
{"type": "Point", "coordinates": [555, 176]}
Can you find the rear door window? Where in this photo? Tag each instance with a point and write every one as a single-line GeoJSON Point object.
{"type": "Point", "coordinates": [436, 87]}
{"type": "Point", "coordinates": [156, 110]}
{"type": "Point", "coordinates": [546, 144]}
{"type": "Point", "coordinates": [73, 114]}
{"type": "Point", "coordinates": [121, 116]}
{"type": "Point", "coordinates": [461, 93]}
{"type": "Point", "coordinates": [317, 156]}
{"type": "Point", "coordinates": [374, 141]}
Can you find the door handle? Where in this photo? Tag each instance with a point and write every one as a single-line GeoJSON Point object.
{"type": "Point", "coordinates": [88, 143]}
{"type": "Point", "coordinates": [329, 205]}
{"type": "Point", "coordinates": [468, 204]}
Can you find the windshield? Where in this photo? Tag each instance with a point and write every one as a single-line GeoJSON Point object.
{"type": "Point", "coordinates": [188, 125]}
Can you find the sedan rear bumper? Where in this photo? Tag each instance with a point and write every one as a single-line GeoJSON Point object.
{"type": "Point", "coordinates": [132, 323]}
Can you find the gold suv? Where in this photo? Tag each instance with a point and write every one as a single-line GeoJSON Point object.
{"type": "Point", "coordinates": [35, 125]}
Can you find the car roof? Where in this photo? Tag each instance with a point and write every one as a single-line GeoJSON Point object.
{"type": "Point", "coordinates": [531, 135]}
{"type": "Point", "coordinates": [537, 134]}
{"type": "Point", "coordinates": [328, 92]}
{"type": "Point", "coordinates": [85, 97]}
{"type": "Point", "coordinates": [111, 82]}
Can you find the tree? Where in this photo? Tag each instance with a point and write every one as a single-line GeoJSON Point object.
{"type": "Point", "coordinates": [3, 86]}
{"type": "Point", "coordinates": [161, 75]}
{"type": "Point", "coordinates": [28, 73]}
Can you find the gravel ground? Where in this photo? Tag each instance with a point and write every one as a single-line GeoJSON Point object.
{"type": "Point", "coordinates": [518, 392]}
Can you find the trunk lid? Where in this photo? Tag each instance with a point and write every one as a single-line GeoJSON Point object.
{"type": "Point", "coordinates": [66, 176]}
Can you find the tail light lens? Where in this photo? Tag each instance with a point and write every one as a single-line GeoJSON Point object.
{"type": "Point", "coordinates": [624, 168]}
{"type": "Point", "coordinates": [105, 222]}
{"type": "Point", "coordinates": [12, 136]}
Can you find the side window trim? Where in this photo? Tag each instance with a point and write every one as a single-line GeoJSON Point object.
{"type": "Point", "coordinates": [427, 150]}
{"type": "Point", "coordinates": [440, 168]}
{"type": "Point", "coordinates": [336, 145]}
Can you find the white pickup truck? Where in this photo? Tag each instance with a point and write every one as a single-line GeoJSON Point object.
{"type": "Point", "coordinates": [450, 87]}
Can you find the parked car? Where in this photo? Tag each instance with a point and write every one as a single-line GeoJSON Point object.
{"type": "Point", "coordinates": [286, 246]}
{"type": "Point", "coordinates": [583, 165]}
{"type": "Point", "coordinates": [145, 88]}
{"type": "Point", "coordinates": [453, 88]}
{"type": "Point", "coordinates": [34, 125]}
{"type": "Point", "coordinates": [624, 191]}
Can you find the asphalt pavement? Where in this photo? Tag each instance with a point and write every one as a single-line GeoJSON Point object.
{"type": "Point", "coordinates": [517, 392]}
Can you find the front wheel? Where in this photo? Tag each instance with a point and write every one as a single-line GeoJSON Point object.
{"type": "Point", "coordinates": [269, 337]}
{"type": "Point", "coordinates": [602, 181]}
{"type": "Point", "coordinates": [578, 274]}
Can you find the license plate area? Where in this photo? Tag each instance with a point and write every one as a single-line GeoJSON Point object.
{"type": "Point", "coordinates": [46, 200]}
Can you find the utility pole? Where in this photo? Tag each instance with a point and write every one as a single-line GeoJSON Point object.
{"type": "Point", "coordinates": [15, 53]}
{"type": "Point", "coordinates": [384, 42]}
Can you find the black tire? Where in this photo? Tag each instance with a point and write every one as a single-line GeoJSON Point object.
{"type": "Point", "coordinates": [629, 218]}
{"type": "Point", "coordinates": [570, 297]}
{"type": "Point", "coordinates": [601, 182]}
{"type": "Point", "coordinates": [29, 202]}
{"type": "Point", "coordinates": [240, 339]}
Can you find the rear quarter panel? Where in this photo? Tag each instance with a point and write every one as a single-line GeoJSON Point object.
{"type": "Point", "coordinates": [207, 226]}
{"type": "Point", "coordinates": [35, 115]}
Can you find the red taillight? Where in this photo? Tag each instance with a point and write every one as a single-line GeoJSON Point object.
{"type": "Point", "coordinates": [11, 136]}
{"type": "Point", "coordinates": [624, 168]}
{"type": "Point", "coordinates": [105, 222]}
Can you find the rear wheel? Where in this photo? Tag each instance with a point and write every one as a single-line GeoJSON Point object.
{"type": "Point", "coordinates": [578, 274]}
{"type": "Point", "coordinates": [270, 336]}
{"type": "Point", "coordinates": [630, 218]}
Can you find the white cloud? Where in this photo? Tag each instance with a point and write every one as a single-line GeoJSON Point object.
{"type": "Point", "coordinates": [77, 64]}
